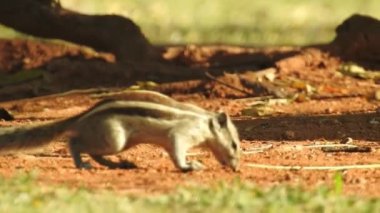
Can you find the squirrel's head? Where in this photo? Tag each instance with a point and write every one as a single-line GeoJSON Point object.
{"type": "Point", "coordinates": [225, 144]}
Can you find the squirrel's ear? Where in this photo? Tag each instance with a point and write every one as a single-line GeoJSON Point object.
{"type": "Point", "coordinates": [218, 121]}
{"type": "Point", "coordinates": [222, 119]}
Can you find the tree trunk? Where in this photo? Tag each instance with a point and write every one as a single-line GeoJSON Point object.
{"type": "Point", "coordinates": [109, 33]}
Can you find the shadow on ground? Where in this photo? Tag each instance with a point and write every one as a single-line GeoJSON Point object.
{"type": "Point", "coordinates": [363, 126]}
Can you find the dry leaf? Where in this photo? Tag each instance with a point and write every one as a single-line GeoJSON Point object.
{"type": "Point", "coordinates": [357, 71]}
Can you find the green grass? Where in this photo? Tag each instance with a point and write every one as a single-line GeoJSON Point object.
{"type": "Point", "coordinates": [259, 22]}
{"type": "Point", "coordinates": [22, 194]}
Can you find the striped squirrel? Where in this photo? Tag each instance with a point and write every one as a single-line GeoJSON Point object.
{"type": "Point", "coordinates": [112, 126]}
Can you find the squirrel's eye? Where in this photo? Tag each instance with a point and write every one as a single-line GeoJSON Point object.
{"type": "Point", "coordinates": [234, 146]}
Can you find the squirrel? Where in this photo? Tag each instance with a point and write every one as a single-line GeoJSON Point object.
{"type": "Point", "coordinates": [156, 97]}
{"type": "Point", "coordinates": [112, 126]}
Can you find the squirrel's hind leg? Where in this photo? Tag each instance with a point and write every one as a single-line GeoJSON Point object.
{"type": "Point", "coordinates": [75, 154]}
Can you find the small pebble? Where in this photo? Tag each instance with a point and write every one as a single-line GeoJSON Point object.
{"type": "Point", "coordinates": [346, 140]}
{"type": "Point", "coordinates": [289, 134]}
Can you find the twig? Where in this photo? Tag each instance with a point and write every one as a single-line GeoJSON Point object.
{"type": "Point", "coordinates": [52, 155]}
{"type": "Point", "coordinates": [347, 149]}
{"type": "Point", "coordinates": [257, 149]}
{"type": "Point", "coordinates": [332, 168]}
{"type": "Point", "coordinates": [253, 99]}
{"type": "Point", "coordinates": [328, 97]}
{"type": "Point", "coordinates": [208, 75]}
{"type": "Point", "coordinates": [329, 145]}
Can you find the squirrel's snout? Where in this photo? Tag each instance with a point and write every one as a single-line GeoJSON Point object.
{"type": "Point", "coordinates": [234, 164]}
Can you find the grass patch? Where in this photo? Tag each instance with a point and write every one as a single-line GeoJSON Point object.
{"type": "Point", "coordinates": [244, 22]}
{"type": "Point", "coordinates": [259, 22]}
{"type": "Point", "coordinates": [22, 194]}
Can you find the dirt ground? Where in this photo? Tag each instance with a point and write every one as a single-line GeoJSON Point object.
{"type": "Point", "coordinates": [286, 102]}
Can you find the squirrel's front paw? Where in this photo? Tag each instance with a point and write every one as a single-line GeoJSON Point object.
{"type": "Point", "coordinates": [196, 165]}
{"type": "Point", "coordinates": [84, 165]}
{"type": "Point", "coordinates": [193, 165]}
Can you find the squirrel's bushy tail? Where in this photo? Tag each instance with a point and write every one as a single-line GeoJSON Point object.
{"type": "Point", "coordinates": [27, 137]}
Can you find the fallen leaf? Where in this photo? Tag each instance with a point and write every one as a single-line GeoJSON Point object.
{"type": "Point", "coordinates": [377, 95]}
{"type": "Point", "coordinates": [354, 70]}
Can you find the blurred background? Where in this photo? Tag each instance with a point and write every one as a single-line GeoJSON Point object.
{"type": "Point", "coordinates": [241, 22]}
